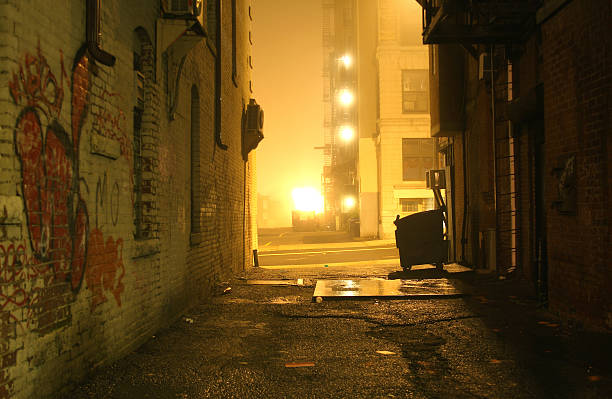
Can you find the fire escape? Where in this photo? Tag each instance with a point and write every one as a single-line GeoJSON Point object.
{"type": "Point", "coordinates": [487, 30]}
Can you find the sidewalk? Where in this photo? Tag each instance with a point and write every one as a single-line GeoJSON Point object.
{"type": "Point", "coordinates": [333, 245]}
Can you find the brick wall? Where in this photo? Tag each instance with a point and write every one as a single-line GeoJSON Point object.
{"type": "Point", "coordinates": [82, 279]}
{"type": "Point", "coordinates": [576, 74]}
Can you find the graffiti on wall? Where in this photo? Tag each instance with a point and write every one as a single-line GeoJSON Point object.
{"type": "Point", "coordinates": [60, 247]}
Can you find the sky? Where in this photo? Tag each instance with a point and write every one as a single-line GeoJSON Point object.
{"type": "Point", "coordinates": [287, 83]}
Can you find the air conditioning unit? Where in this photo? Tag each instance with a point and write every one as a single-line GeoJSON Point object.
{"type": "Point", "coordinates": [253, 133]}
{"type": "Point", "coordinates": [186, 9]}
{"type": "Point", "coordinates": [435, 178]}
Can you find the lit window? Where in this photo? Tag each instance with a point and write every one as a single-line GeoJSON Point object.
{"type": "Point", "coordinates": [410, 204]}
{"type": "Point", "coordinates": [415, 91]}
{"type": "Point", "coordinates": [417, 157]}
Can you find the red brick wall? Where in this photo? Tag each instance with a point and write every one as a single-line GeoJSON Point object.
{"type": "Point", "coordinates": [576, 73]}
{"type": "Point", "coordinates": [525, 78]}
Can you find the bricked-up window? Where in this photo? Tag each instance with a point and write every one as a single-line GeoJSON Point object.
{"type": "Point", "coordinates": [415, 91]}
{"type": "Point", "coordinates": [143, 74]}
{"type": "Point", "coordinates": [138, 172]}
{"type": "Point", "coordinates": [417, 157]}
{"type": "Point", "coordinates": [195, 160]}
{"type": "Point", "coordinates": [234, 49]}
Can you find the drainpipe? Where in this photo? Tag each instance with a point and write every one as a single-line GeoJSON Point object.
{"type": "Point", "coordinates": [494, 151]}
{"type": "Point", "coordinates": [493, 132]}
{"type": "Point", "coordinates": [92, 28]}
{"type": "Point", "coordinates": [218, 16]}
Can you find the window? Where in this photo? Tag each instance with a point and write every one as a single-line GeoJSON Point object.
{"type": "Point", "coordinates": [195, 160]}
{"type": "Point", "coordinates": [138, 171]}
{"type": "Point", "coordinates": [415, 91]}
{"type": "Point", "coordinates": [410, 204]}
{"type": "Point", "coordinates": [417, 157]}
{"type": "Point", "coordinates": [144, 130]}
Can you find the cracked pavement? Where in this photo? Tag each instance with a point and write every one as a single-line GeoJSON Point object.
{"type": "Point", "coordinates": [261, 341]}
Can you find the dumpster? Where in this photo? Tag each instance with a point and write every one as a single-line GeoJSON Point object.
{"type": "Point", "coordinates": [420, 239]}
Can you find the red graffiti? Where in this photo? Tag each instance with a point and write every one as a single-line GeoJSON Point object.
{"type": "Point", "coordinates": [49, 165]}
{"type": "Point", "coordinates": [62, 251]}
{"type": "Point", "coordinates": [22, 281]}
{"type": "Point", "coordinates": [105, 268]}
{"type": "Point", "coordinates": [110, 124]}
{"type": "Point", "coordinates": [36, 86]}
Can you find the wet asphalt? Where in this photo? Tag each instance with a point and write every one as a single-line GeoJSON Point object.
{"type": "Point", "coordinates": [259, 341]}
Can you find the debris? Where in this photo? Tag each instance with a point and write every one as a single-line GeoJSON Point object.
{"type": "Point", "coordinates": [386, 353]}
{"type": "Point", "coordinates": [495, 361]}
{"type": "Point", "coordinates": [297, 282]}
{"type": "Point", "coordinates": [299, 364]}
{"type": "Point", "coordinates": [594, 378]}
{"type": "Point", "coordinates": [188, 320]}
{"type": "Point", "coordinates": [227, 290]}
{"type": "Point", "coordinates": [326, 266]}
{"type": "Point", "coordinates": [319, 299]}
{"type": "Point", "coordinates": [243, 363]}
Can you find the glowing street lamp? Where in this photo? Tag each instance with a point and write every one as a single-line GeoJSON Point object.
{"type": "Point", "coordinates": [349, 203]}
{"type": "Point", "coordinates": [347, 133]}
{"type": "Point", "coordinates": [347, 60]}
{"type": "Point", "coordinates": [346, 97]}
{"type": "Point", "coordinates": [307, 199]}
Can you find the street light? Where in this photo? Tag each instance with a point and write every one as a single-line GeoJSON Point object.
{"type": "Point", "coordinates": [347, 133]}
{"type": "Point", "coordinates": [349, 203]}
{"type": "Point", "coordinates": [347, 60]}
{"type": "Point", "coordinates": [346, 97]}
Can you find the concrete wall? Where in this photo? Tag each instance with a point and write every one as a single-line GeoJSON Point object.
{"type": "Point", "coordinates": [367, 76]}
{"type": "Point", "coordinates": [78, 286]}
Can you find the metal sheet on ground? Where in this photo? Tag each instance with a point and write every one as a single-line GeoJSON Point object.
{"type": "Point", "coordinates": [385, 289]}
{"type": "Point", "coordinates": [298, 282]}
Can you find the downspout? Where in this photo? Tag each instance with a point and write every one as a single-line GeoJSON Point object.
{"type": "Point", "coordinates": [493, 138]}
{"type": "Point", "coordinates": [218, 78]}
{"type": "Point", "coordinates": [92, 28]}
{"type": "Point", "coordinates": [493, 133]}
{"type": "Point", "coordinates": [465, 198]}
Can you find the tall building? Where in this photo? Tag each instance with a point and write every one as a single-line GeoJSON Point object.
{"type": "Point", "coordinates": [339, 178]}
{"type": "Point", "coordinates": [383, 164]}
{"type": "Point", "coordinates": [126, 185]}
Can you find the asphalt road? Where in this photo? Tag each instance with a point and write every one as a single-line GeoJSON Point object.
{"type": "Point", "coordinates": [327, 256]}
{"type": "Point", "coordinates": [284, 247]}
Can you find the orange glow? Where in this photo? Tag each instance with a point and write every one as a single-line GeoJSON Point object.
{"type": "Point", "coordinates": [346, 97]}
{"type": "Point", "coordinates": [349, 203]}
{"type": "Point", "coordinates": [307, 199]}
{"type": "Point", "coordinates": [347, 133]}
{"type": "Point", "coordinates": [347, 60]}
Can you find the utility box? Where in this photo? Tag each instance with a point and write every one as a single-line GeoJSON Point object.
{"type": "Point", "coordinates": [446, 77]}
